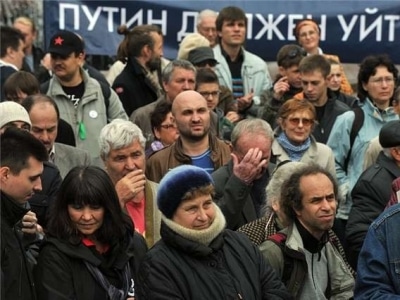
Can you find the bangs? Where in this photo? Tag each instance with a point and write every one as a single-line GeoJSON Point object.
{"type": "Point", "coordinates": [86, 194]}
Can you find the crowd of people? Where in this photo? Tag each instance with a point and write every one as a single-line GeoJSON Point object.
{"type": "Point", "coordinates": [200, 176]}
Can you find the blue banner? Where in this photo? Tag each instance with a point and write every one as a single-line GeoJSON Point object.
{"type": "Point", "coordinates": [351, 29]}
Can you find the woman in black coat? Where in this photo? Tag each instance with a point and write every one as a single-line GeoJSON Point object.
{"type": "Point", "coordinates": [91, 251]}
{"type": "Point", "coordinates": [197, 257]}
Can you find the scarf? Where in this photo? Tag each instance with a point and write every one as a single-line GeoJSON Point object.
{"type": "Point", "coordinates": [205, 236]}
{"type": "Point", "coordinates": [295, 152]}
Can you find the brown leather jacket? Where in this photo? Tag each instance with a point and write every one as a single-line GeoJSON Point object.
{"type": "Point", "coordinates": [170, 157]}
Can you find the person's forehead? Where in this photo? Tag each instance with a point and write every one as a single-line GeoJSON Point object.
{"type": "Point", "coordinates": [133, 146]}
{"type": "Point", "coordinates": [182, 73]}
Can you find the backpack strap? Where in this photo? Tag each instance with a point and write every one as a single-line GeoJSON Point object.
{"type": "Point", "coordinates": [355, 128]}
{"type": "Point", "coordinates": [279, 239]}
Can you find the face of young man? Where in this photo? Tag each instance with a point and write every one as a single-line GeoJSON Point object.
{"type": "Point", "coordinates": [210, 92]}
{"type": "Point", "coordinates": [20, 187]}
{"type": "Point", "coordinates": [293, 75]}
{"type": "Point", "coordinates": [319, 204]}
{"type": "Point", "coordinates": [315, 87]}
{"type": "Point", "coordinates": [233, 33]}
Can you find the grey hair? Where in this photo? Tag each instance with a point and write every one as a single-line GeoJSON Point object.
{"type": "Point", "coordinates": [177, 63]}
{"type": "Point", "coordinates": [204, 14]}
{"type": "Point", "coordinates": [388, 153]}
{"type": "Point", "coordinates": [280, 175]}
{"type": "Point", "coordinates": [119, 134]}
{"type": "Point", "coordinates": [251, 126]}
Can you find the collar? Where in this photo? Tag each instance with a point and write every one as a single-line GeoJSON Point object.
{"type": "Point", "coordinates": [11, 211]}
{"type": "Point", "coordinates": [310, 243]}
{"type": "Point", "coordinates": [7, 64]}
{"type": "Point", "coordinates": [52, 154]}
{"type": "Point", "coordinates": [240, 57]}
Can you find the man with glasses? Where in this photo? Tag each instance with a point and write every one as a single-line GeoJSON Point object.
{"type": "Point", "coordinates": [240, 184]}
{"type": "Point", "coordinates": [286, 85]}
{"type": "Point", "coordinates": [79, 97]}
{"type": "Point", "coordinates": [206, 25]}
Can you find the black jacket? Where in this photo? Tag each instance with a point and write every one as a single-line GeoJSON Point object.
{"type": "Point", "coordinates": [5, 72]}
{"type": "Point", "coordinates": [370, 196]}
{"type": "Point", "coordinates": [133, 87]}
{"type": "Point", "coordinates": [62, 274]}
{"type": "Point", "coordinates": [323, 127]}
{"type": "Point", "coordinates": [16, 276]}
{"type": "Point", "coordinates": [233, 196]}
{"type": "Point", "coordinates": [40, 202]}
{"type": "Point", "coordinates": [177, 268]}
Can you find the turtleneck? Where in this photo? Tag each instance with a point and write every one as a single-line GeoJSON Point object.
{"type": "Point", "coordinates": [205, 236]}
{"type": "Point", "coordinates": [310, 243]}
{"type": "Point", "coordinates": [11, 211]}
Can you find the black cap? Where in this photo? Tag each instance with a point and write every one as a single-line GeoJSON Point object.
{"type": "Point", "coordinates": [201, 54]}
{"type": "Point", "coordinates": [65, 42]}
{"type": "Point", "coordinates": [389, 136]}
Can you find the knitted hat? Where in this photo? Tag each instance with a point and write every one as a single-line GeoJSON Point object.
{"type": "Point", "coordinates": [190, 42]}
{"type": "Point", "coordinates": [65, 42]}
{"type": "Point", "coordinates": [176, 183]}
{"type": "Point", "coordinates": [389, 136]}
{"type": "Point", "coordinates": [11, 111]}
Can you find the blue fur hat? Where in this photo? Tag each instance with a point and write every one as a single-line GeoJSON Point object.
{"type": "Point", "coordinates": [176, 183]}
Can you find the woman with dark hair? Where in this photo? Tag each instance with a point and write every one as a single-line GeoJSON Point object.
{"type": "Point", "coordinates": [375, 88]}
{"type": "Point", "coordinates": [91, 251]}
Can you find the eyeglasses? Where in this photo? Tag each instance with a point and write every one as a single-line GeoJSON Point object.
{"type": "Point", "coordinates": [208, 94]}
{"type": "Point", "coordinates": [381, 80]}
{"type": "Point", "coordinates": [168, 126]}
{"type": "Point", "coordinates": [304, 121]}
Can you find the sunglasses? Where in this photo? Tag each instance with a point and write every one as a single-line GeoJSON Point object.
{"type": "Point", "coordinates": [206, 63]}
{"type": "Point", "coordinates": [304, 121]}
{"type": "Point", "coordinates": [168, 126]}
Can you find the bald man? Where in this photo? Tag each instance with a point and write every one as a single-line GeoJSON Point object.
{"type": "Point", "coordinates": [196, 144]}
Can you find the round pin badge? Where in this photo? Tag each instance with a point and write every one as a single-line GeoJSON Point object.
{"type": "Point", "coordinates": [93, 114]}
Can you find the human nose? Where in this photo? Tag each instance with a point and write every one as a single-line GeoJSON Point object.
{"type": "Point", "coordinates": [45, 136]}
{"type": "Point", "coordinates": [201, 214]}
{"type": "Point", "coordinates": [130, 164]}
{"type": "Point", "coordinates": [86, 213]}
{"type": "Point", "coordinates": [37, 186]}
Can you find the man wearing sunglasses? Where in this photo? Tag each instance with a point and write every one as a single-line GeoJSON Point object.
{"type": "Point", "coordinates": [286, 85]}
{"type": "Point", "coordinates": [78, 96]}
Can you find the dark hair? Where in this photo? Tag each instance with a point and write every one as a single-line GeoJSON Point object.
{"type": "Point", "coordinates": [139, 37]}
{"type": "Point", "coordinates": [291, 193]}
{"type": "Point", "coordinates": [230, 13]}
{"type": "Point", "coordinates": [315, 62]}
{"type": "Point", "coordinates": [368, 68]}
{"type": "Point", "coordinates": [17, 146]}
{"type": "Point", "coordinates": [159, 113]}
{"type": "Point", "coordinates": [9, 37]}
{"type": "Point", "coordinates": [205, 75]}
{"type": "Point", "coordinates": [22, 81]}
{"type": "Point", "coordinates": [88, 185]}
{"type": "Point", "coordinates": [31, 100]}
{"type": "Point", "coordinates": [290, 55]}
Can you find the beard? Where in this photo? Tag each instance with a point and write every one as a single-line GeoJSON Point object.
{"type": "Point", "coordinates": [188, 135]}
{"type": "Point", "coordinates": [154, 64]}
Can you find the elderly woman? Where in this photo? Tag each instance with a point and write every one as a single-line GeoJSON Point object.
{"type": "Point", "coordinates": [197, 258]}
{"type": "Point", "coordinates": [274, 219]}
{"type": "Point", "coordinates": [92, 251]}
{"type": "Point", "coordinates": [163, 127]}
{"type": "Point", "coordinates": [293, 136]}
{"type": "Point", "coordinates": [307, 33]}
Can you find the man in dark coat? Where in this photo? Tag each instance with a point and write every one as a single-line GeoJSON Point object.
{"type": "Point", "coordinates": [240, 184]}
{"type": "Point", "coordinates": [20, 173]}
{"type": "Point", "coordinates": [372, 190]}
{"type": "Point", "coordinates": [137, 86]}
